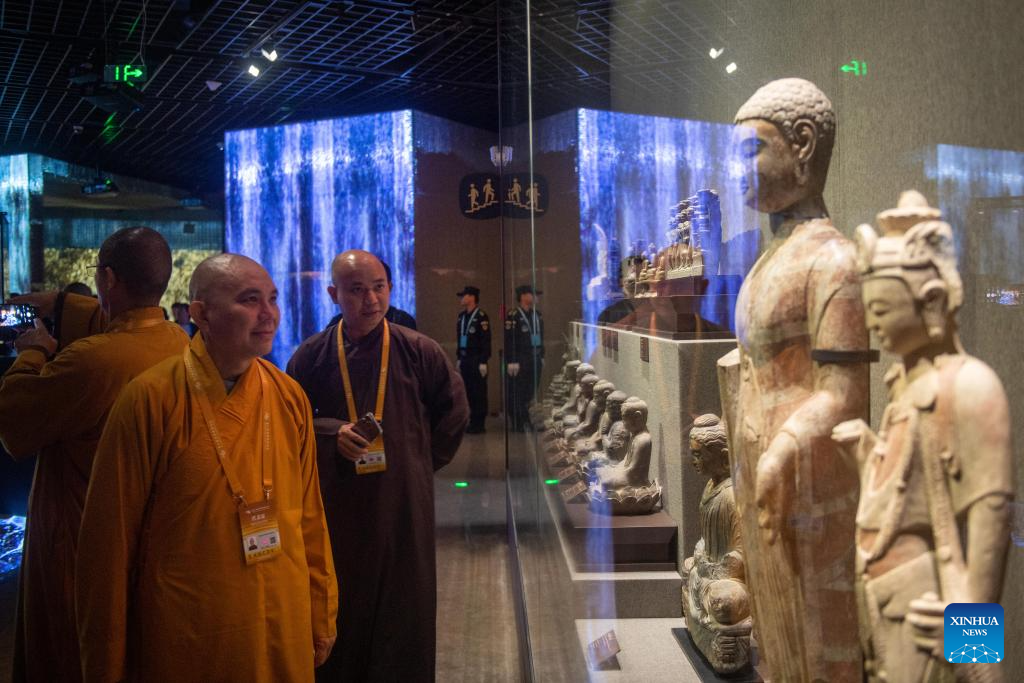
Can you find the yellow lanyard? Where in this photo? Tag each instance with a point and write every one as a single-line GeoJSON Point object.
{"type": "Point", "coordinates": [208, 417]}
{"type": "Point", "coordinates": [382, 381]}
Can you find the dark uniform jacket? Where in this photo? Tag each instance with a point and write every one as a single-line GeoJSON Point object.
{"type": "Point", "coordinates": [473, 336]}
{"type": "Point", "coordinates": [524, 334]}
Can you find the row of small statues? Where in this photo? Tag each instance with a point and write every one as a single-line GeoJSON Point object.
{"type": "Point", "coordinates": [684, 255]}
{"type": "Point", "coordinates": [602, 433]}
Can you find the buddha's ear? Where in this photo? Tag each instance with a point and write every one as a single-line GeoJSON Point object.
{"type": "Point", "coordinates": [934, 309]}
{"type": "Point", "coordinates": [804, 139]}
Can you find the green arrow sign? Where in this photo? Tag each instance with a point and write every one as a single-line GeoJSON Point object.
{"type": "Point", "coordinates": [125, 73]}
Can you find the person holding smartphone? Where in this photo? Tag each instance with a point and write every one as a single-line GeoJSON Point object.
{"type": "Point", "coordinates": [389, 410]}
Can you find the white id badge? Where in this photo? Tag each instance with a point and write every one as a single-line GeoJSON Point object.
{"type": "Point", "coordinates": [374, 461]}
{"type": "Point", "coordinates": [261, 539]}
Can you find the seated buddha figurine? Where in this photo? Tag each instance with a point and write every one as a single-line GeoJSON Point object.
{"type": "Point", "coordinates": [609, 443]}
{"type": "Point", "coordinates": [624, 488]}
{"type": "Point", "coordinates": [716, 602]}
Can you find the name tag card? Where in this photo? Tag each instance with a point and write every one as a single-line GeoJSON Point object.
{"type": "Point", "coordinates": [261, 539]}
{"type": "Point", "coordinates": [573, 491]}
{"type": "Point", "coordinates": [555, 458]}
{"type": "Point", "coordinates": [374, 461]}
{"type": "Point", "coordinates": [601, 650]}
{"type": "Point", "coordinates": [566, 473]}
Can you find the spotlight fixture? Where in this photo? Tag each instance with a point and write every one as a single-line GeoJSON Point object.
{"type": "Point", "coordinates": [269, 54]}
{"type": "Point", "coordinates": [213, 85]}
{"type": "Point", "coordinates": [732, 67]}
{"type": "Point", "coordinates": [254, 70]}
{"type": "Point", "coordinates": [715, 54]}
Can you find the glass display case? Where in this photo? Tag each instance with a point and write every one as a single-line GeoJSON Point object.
{"type": "Point", "coordinates": [698, 508]}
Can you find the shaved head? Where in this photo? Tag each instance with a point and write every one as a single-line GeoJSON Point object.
{"type": "Point", "coordinates": [218, 273]}
{"type": "Point", "coordinates": [348, 262]}
{"type": "Point", "coordinates": [141, 259]}
{"type": "Point", "coordinates": [361, 288]}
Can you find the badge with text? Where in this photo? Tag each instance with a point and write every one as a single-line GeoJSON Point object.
{"type": "Point", "coordinates": [261, 539]}
{"type": "Point", "coordinates": [566, 473]}
{"type": "Point", "coordinates": [374, 461]}
{"type": "Point", "coordinates": [973, 632]}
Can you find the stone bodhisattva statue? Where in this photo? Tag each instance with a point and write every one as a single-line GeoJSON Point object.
{"type": "Point", "coordinates": [612, 439]}
{"type": "Point", "coordinates": [715, 598]}
{"type": "Point", "coordinates": [936, 481]}
{"type": "Point", "coordinates": [802, 369]}
{"type": "Point", "coordinates": [624, 488]}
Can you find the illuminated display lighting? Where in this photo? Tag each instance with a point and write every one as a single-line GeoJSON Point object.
{"type": "Point", "coordinates": [254, 70]}
{"type": "Point", "coordinates": [550, 482]}
{"type": "Point", "coordinates": [12, 538]}
{"type": "Point", "coordinates": [731, 68]}
{"type": "Point", "coordinates": [461, 484]}
{"type": "Point", "coordinates": [17, 173]}
{"type": "Point", "coordinates": [269, 54]}
{"type": "Point", "coordinates": [632, 170]}
{"type": "Point", "coordinates": [298, 194]}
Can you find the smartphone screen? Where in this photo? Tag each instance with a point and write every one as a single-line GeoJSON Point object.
{"type": "Point", "coordinates": [17, 315]}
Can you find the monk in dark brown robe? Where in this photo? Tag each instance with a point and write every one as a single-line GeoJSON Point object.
{"type": "Point", "coordinates": [381, 522]}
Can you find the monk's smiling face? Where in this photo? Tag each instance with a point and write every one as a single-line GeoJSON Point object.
{"type": "Point", "coordinates": [360, 288]}
{"type": "Point", "coordinates": [238, 312]}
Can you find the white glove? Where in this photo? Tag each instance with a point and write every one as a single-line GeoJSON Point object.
{"type": "Point", "coordinates": [483, 369]}
{"type": "Point", "coordinates": [513, 369]}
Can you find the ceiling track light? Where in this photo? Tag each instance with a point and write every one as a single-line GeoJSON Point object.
{"type": "Point", "coordinates": [269, 53]}
{"type": "Point", "coordinates": [254, 70]}
{"type": "Point", "coordinates": [731, 68]}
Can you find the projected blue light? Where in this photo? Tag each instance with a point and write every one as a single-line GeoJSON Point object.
{"type": "Point", "coordinates": [12, 537]}
{"type": "Point", "coordinates": [299, 194]}
{"type": "Point", "coordinates": [15, 188]}
{"type": "Point", "coordinates": [965, 173]}
{"type": "Point", "coordinates": [633, 169]}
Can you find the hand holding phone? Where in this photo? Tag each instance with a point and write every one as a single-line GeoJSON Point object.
{"type": "Point", "coordinates": [353, 439]}
{"type": "Point", "coordinates": [367, 427]}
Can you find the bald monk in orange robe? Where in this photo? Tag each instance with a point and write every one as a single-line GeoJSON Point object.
{"type": "Point", "coordinates": [55, 406]}
{"type": "Point", "coordinates": [165, 590]}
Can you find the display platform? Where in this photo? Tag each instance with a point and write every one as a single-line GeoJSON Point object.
{"type": "Point", "coordinates": [703, 668]}
{"type": "Point", "coordinates": [615, 543]}
{"type": "Point", "coordinates": [610, 594]}
{"type": "Point", "coordinates": [648, 653]}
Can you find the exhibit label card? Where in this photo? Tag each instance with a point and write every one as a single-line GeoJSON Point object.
{"type": "Point", "coordinates": [602, 649]}
{"type": "Point", "coordinates": [566, 473]}
{"type": "Point", "coordinates": [574, 490]}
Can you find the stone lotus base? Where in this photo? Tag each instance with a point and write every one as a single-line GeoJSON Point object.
{"type": "Point", "coordinates": [629, 500]}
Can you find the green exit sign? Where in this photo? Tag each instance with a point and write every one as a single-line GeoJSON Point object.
{"type": "Point", "coordinates": [125, 73]}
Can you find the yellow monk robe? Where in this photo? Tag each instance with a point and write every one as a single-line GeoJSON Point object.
{"type": "Point", "coordinates": [163, 590]}
{"type": "Point", "coordinates": [57, 410]}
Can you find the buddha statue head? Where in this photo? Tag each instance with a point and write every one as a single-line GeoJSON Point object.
{"type": "Point", "coordinates": [784, 136]}
{"type": "Point", "coordinates": [582, 370]}
{"type": "Point", "coordinates": [911, 286]}
{"type": "Point", "coordinates": [634, 414]}
{"type": "Point", "coordinates": [569, 370]}
{"type": "Point", "coordinates": [709, 447]}
{"type": "Point", "coordinates": [587, 384]}
{"type": "Point", "coordinates": [601, 391]}
{"type": "Point", "coordinates": [613, 405]}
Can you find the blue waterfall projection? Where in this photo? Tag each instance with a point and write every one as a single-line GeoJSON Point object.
{"type": "Point", "coordinates": [633, 169]}
{"type": "Point", "coordinates": [12, 537]}
{"type": "Point", "coordinates": [15, 187]}
{"type": "Point", "coordinates": [299, 194]}
{"type": "Point", "coordinates": [965, 173]}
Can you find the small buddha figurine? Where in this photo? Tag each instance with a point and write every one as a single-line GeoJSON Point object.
{"type": "Point", "coordinates": [624, 488]}
{"type": "Point", "coordinates": [611, 418]}
{"type": "Point", "coordinates": [932, 525]}
{"type": "Point", "coordinates": [716, 602]}
{"type": "Point", "coordinates": [570, 410]}
{"type": "Point", "coordinates": [595, 409]}
{"type": "Point", "coordinates": [571, 422]}
{"type": "Point", "coordinates": [561, 391]}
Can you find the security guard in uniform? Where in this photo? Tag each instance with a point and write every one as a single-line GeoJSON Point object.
{"type": "Point", "coordinates": [474, 335]}
{"type": "Point", "coordinates": [524, 356]}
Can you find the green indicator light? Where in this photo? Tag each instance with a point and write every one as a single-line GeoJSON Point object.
{"type": "Point", "coordinates": [461, 484]}
{"type": "Point", "coordinates": [550, 482]}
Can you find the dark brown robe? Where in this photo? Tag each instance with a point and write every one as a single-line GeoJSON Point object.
{"type": "Point", "coordinates": [382, 525]}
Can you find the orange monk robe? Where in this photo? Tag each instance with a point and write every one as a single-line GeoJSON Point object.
{"type": "Point", "coordinates": [57, 410]}
{"type": "Point", "coordinates": [163, 591]}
